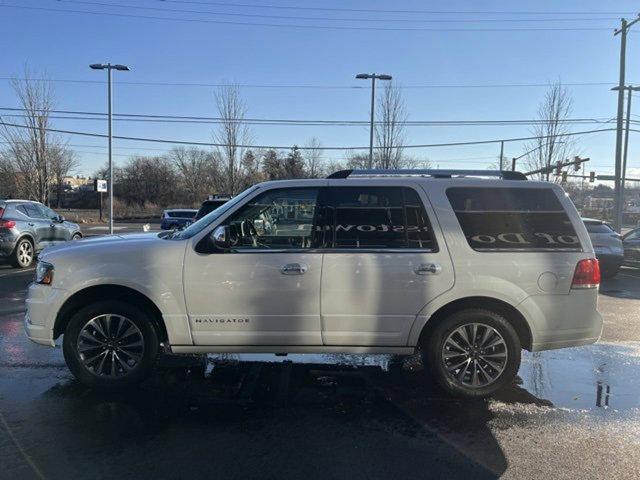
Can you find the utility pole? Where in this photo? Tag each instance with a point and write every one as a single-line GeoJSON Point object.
{"type": "Point", "coordinates": [618, 200]}
{"type": "Point", "coordinates": [373, 77]}
{"type": "Point", "coordinates": [501, 153]}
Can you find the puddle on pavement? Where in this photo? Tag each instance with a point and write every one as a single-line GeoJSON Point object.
{"type": "Point", "coordinates": [595, 377]}
{"type": "Point", "coordinates": [600, 376]}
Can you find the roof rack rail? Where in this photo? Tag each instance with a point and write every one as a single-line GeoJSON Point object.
{"type": "Point", "coordinates": [503, 174]}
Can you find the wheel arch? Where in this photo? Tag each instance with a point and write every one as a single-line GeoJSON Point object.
{"type": "Point", "coordinates": [101, 292]}
{"type": "Point", "coordinates": [509, 312]}
{"type": "Point", "coordinates": [29, 237]}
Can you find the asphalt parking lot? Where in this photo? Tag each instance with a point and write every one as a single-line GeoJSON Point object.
{"type": "Point", "coordinates": [573, 413]}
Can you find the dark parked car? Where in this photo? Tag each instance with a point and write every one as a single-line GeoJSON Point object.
{"type": "Point", "coordinates": [631, 243]}
{"type": "Point", "coordinates": [27, 227]}
{"type": "Point", "coordinates": [607, 244]}
{"type": "Point", "coordinates": [209, 206]}
{"type": "Point", "coordinates": [177, 218]}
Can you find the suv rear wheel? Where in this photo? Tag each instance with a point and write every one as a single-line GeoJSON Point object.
{"type": "Point", "coordinates": [24, 254]}
{"type": "Point", "coordinates": [473, 353]}
{"type": "Point", "coordinates": [110, 345]}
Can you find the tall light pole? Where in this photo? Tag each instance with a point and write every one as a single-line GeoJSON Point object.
{"type": "Point", "coordinates": [373, 77]}
{"type": "Point", "coordinates": [623, 30]}
{"type": "Point", "coordinates": [108, 67]}
{"type": "Point", "coordinates": [623, 170]}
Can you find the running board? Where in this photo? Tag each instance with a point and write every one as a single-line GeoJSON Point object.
{"type": "Point", "coordinates": [280, 349]}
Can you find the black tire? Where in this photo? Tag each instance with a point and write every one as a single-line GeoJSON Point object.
{"type": "Point", "coordinates": [18, 257]}
{"type": "Point", "coordinates": [74, 358]}
{"type": "Point", "coordinates": [433, 352]}
{"type": "Point", "coordinates": [76, 236]}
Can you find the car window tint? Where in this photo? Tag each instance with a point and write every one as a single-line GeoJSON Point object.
{"type": "Point", "coordinates": [598, 228]}
{"type": "Point", "coordinates": [22, 209]}
{"type": "Point", "coordinates": [419, 232]}
{"type": "Point", "coordinates": [512, 219]}
{"type": "Point", "coordinates": [47, 212]}
{"type": "Point", "coordinates": [375, 218]}
{"type": "Point", "coordinates": [277, 219]}
{"type": "Point", "coordinates": [34, 211]}
{"type": "Point", "coordinates": [181, 214]}
{"type": "Point", "coordinates": [633, 235]}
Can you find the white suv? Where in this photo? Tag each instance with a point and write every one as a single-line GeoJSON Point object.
{"type": "Point", "coordinates": [464, 268]}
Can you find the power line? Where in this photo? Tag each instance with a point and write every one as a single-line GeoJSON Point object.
{"type": "Point", "coordinates": [314, 27]}
{"type": "Point", "coordinates": [89, 115]}
{"type": "Point", "coordinates": [333, 19]}
{"type": "Point", "coordinates": [265, 147]}
{"type": "Point", "coordinates": [307, 86]}
{"type": "Point", "coordinates": [373, 10]}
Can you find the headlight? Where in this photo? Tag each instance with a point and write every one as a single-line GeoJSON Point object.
{"type": "Point", "coordinates": [44, 273]}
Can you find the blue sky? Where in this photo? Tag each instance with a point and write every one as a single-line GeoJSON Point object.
{"type": "Point", "coordinates": [64, 43]}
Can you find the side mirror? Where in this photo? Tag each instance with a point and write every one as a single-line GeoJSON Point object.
{"type": "Point", "coordinates": [60, 218]}
{"type": "Point", "coordinates": [221, 238]}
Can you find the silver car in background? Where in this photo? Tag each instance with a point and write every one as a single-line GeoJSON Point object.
{"type": "Point", "coordinates": [26, 227]}
{"type": "Point", "coordinates": [607, 245]}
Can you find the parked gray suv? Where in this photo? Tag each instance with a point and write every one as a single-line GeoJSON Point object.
{"type": "Point", "coordinates": [27, 227]}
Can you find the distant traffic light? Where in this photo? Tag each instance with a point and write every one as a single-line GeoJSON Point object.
{"type": "Point", "coordinates": [592, 177]}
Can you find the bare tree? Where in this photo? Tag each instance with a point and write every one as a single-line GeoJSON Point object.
{"type": "Point", "coordinates": [232, 134]}
{"type": "Point", "coordinates": [30, 147]}
{"type": "Point", "coordinates": [62, 161]}
{"type": "Point", "coordinates": [389, 129]}
{"type": "Point", "coordinates": [550, 146]}
{"type": "Point", "coordinates": [198, 171]}
{"type": "Point", "coordinates": [313, 158]}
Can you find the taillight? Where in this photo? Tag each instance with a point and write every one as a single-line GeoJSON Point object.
{"type": "Point", "coordinates": [7, 224]}
{"type": "Point", "coordinates": [587, 274]}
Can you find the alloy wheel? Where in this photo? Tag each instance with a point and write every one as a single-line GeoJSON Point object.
{"type": "Point", "coordinates": [110, 345]}
{"type": "Point", "coordinates": [25, 253]}
{"type": "Point", "coordinates": [474, 355]}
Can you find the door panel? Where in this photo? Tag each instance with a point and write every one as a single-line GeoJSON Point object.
{"type": "Point", "coordinates": [373, 298]}
{"type": "Point", "coordinates": [385, 264]}
{"type": "Point", "coordinates": [246, 299]}
{"type": "Point", "coordinates": [265, 290]}
{"type": "Point", "coordinates": [41, 225]}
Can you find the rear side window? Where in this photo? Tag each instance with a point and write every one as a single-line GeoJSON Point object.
{"type": "Point", "coordinates": [34, 211]}
{"type": "Point", "coordinates": [496, 219]}
{"type": "Point", "coordinates": [375, 218]}
{"type": "Point", "coordinates": [598, 227]}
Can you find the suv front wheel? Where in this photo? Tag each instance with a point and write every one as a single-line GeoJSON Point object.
{"type": "Point", "coordinates": [472, 353]}
{"type": "Point", "coordinates": [110, 345]}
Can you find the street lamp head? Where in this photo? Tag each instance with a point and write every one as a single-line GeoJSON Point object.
{"type": "Point", "coordinates": [97, 66]}
{"type": "Point", "coordinates": [123, 68]}
{"type": "Point", "coordinates": [363, 76]}
{"type": "Point", "coordinates": [384, 77]}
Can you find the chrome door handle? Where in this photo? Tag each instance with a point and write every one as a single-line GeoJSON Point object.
{"type": "Point", "coordinates": [428, 269]}
{"type": "Point", "coordinates": [294, 269]}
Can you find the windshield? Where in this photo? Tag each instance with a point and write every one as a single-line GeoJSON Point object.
{"type": "Point", "coordinates": [201, 224]}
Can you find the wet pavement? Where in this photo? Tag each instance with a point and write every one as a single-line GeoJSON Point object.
{"type": "Point", "coordinates": [573, 413]}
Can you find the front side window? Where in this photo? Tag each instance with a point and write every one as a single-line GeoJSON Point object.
{"type": "Point", "coordinates": [501, 219]}
{"type": "Point", "coordinates": [277, 219]}
{"type": "Point", "coordinates": [375, 218]}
